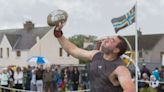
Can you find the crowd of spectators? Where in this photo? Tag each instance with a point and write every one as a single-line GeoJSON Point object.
{"type": "Point", "coordinates": [151, 80]}
{"type": "Point", "coordinates": [48, 79]}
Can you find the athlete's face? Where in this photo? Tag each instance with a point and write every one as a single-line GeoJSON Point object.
{"type": "Point", "coordinates": [109, 44]}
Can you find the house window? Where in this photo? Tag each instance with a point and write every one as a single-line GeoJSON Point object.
{"type": "Point", "coordinates": [1, 53]}
{"type": "Point", "coordinates": [8, 53]}
{"type": "Point", "coordinates": [18, 53]}
{"type": "Point", "coordinates": [60, 52]}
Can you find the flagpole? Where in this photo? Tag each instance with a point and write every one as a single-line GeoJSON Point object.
{"type": "Point", "coordinates": [136, 48]}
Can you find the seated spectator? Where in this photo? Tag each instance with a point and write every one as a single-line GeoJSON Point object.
{"type": "Point", "coordinates": [144, 69]}
{"type": "Point", "coordinates": [144, 84]}
{"type": "Point", "coordinates": [153, 84]}
{"type": "Point", "coordinates": [161, 86]}
{"type": "Point", "coordinates": [156, 74]}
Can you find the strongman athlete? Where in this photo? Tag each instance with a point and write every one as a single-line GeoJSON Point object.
{"type": "Point", "coordinates": [108, 73]}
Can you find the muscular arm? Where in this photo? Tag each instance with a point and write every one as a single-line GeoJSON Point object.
{"type": "Point", "coordinates": [76, 52]}
{"type": "Point", "coordinates": [72, 49]}
{"type": "Point", "coordinates": [125, 79]}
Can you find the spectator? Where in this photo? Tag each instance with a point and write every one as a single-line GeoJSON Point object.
{"type": "Point", "coordinates": [33, 80]}
{"type": "Point", "coordinates": [64, 84]}
{"type": "Point", "coordinates": [153, 84]}
{"type": "Point", "coordinates": [75, 78]}
{"type": "Point", "coordinates": [156, 74]}
{"type": "Point", "coordinates": [161, 86]}
{"type": "Point", "coordinates": [57, 80]}
{"type": "Point", "coordinates": [64, 76]}
{"type": "Point", "coordinates": [144, 84]}
{"type": "Point", "coordinates": [4, 80]}
{"type": "Point", "coordinates": [18, 78]}
{"type": "Point", "coordinates": [65, 72]}
{"type": "Point", "coordinates": [11, 76]}
{"type": "Point", "coordinates": [39, 79]}
{"type": "Point", "coordinates": [27, 77]}
{"type": "Point", "coordinates": [161, 72]}
{"type": "Point", "coordinates": [24, 76]}
{"type": "Point", "coordinates": [144, 69]}
{"type": "Point", "coordinates": [70, 77]}
{"type": "Point", "coordinates": [85, 79]}
{"type": "Point", "coordinates": [48, 79]}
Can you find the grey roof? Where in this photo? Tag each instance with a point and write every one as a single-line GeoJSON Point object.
{"type": "Point", "coordinates": [146, 42]}
{"type": "Point", "coordinates": [23, 39]}
{"type": "Point", "coordinates": [13, 39]}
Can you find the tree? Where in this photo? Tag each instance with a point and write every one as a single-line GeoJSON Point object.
{"type": "Point", "coordinates": [79, 40]}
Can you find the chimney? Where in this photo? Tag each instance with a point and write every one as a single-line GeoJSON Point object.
{"type": "Point", "coordinates": [28, 25]}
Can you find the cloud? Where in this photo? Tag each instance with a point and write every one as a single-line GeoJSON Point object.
{"type": "Point", "coordinates": [81, 9]}
{"type": "Point", "coordinates": [20, 10]}
{"type": "Point", "coordinates": [152, 8]}
{"type": "Point", "coordinates": [162, 2]}
{"type": "Point", "coordinates": [86, 16]}
{"type": "Point", "coordinates": [150, 16]}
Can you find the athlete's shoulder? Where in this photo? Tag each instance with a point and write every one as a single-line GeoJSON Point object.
{"type": "Point", "coordinates": [95, 53]}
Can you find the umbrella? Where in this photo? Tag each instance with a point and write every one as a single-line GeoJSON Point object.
{"type": "Point", "coordinates": [37, 60]}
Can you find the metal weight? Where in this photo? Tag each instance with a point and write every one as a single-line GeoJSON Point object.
{"type": "Point", "coordinates": [57, 16]}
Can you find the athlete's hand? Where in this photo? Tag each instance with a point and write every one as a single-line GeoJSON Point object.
{"type": "Point", "coordinates": [59, 26]}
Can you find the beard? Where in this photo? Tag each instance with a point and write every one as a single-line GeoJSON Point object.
{"type": "Point", "coordinates": [106, 50]}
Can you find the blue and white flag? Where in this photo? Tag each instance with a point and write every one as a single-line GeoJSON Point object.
{"type": "Point", "coordinates": [124, 21]}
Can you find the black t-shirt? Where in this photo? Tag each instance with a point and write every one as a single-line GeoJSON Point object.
{"type": "Point", "coordinates": [100, 69]}
{"type": "Point", "coordinates": [39, 74]}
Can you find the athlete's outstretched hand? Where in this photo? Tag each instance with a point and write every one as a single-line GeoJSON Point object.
{"type": "Point", "coordinates": [59, 26]}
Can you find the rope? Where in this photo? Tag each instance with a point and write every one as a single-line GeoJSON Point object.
{"type": "Point", "coordinates": [149, 81]}
{"type": "Point", "coordinates": [79, 90]}
{"type": "Point", "coordinates": [14, 89]}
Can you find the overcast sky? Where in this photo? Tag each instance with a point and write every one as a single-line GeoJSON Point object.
{"type": "Point", "coordinates": [88, 17]}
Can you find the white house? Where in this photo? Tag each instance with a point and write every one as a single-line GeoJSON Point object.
{"type": "Point", "coordinates": [17, 45]}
